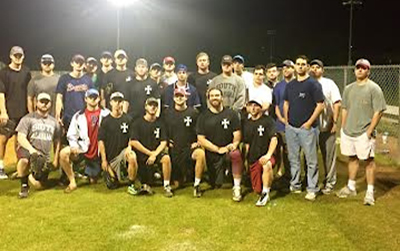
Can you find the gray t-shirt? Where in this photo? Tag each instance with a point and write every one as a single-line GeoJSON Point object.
{"type": "Point", "coordinates": [44, 84]}
{"type": "Point", "coordinates": [40, 131]}
{"type": "Point", "coordinates": [233, 90]}
{"type": "Point", "coordinates": [361, 102]}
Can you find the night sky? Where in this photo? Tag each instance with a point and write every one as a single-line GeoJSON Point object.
{"type": "Point", "coordinates": [181, 28]}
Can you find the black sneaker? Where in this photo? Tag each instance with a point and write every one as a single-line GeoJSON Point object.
{"type": "Point", "coordinates": [197, 192]}
{"type": "Point", "coordinates": [24, 191]}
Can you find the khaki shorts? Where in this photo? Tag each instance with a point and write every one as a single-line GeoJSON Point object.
{"type": "Point", "coordinates": [361, 146]}
{"type": "Point", "coordinates": [119, 163]}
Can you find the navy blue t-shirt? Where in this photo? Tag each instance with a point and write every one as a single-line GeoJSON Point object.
{"type": "Point", "coordinates": [278, 96]}
{"type": "Point", "coordinates": [73, 91]}
{"type": "Point", "coordinates": [303, 98]}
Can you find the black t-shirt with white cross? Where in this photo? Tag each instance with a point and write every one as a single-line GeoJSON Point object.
{"type": "Point", "coordinates": [149, 134]}
{"type": "Point", "coordinates": [181, 126]}
{"type": "Point", "coordinates": [218, 128]}
{"type": "Point", "coordinates": [258, 134]}
{"type": "Point", "coordinates": [201, 82]}
{"type": "Point", "coordinates": [139, 91]}
{"type": "Point", "coordinates": [115, 133]}
{"type": "Point", "coordinates": [116, 80]}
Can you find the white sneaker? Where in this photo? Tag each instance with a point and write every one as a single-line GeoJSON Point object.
{"type": "Point", "coordinates": [236, 193]}
{"type": "Point", "coordinates": [3, 175]}
{"type": "Point", "coordinates": [310, 196]}
{"type": "Point", "coordinates": [262, 201]}
{"type": "Point", "coordinates": [346, 192]}
{"type": "Point", "coordinates": [369, 199]}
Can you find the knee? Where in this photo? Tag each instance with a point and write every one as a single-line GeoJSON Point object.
{"type": "Point", "coordinates": [64, 154]}
{"type": "Point", "coordinates": [131, 157]}
{"type": "Point", "coordinates": [166, 160]}
{"type": "Point", "coordinates": [199, 155]}
{"type": "Point", "coordinates": [236, 156]}
{"type": "Point", "coordinates": [267, 167]}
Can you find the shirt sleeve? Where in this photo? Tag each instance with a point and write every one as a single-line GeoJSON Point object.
{"type": "Point", "coordinates": [102, 130]}
{"type": "Point", "coordinates": [135, 131]}
{"type": "Point", "coordinates": [286, 93]}
{"type": "Point", "coordinates": [335, 93]}
{"type": "Point", "coordinates": [196, 98]}
{"type": "Point", "coordinates": [235, 121]}
{"type": "Point", "coordinates": [31, 88]}
{"type": "Point", "coordinates": [61, 85]}
{"type": "Point", "coordinates": [316, 92]}
{"type": "Point", "coordinates": [345, 98]}
{"type": "Point", "coordinates": [2, 79]}
{"type": "Point", "coordinates": [241, 95]}
{"type": "Point", "coordinates": [200, 125]}
{"type": "Point", "coordinates": [163, 133]}
{"type": "Point", "coordinates": [246, 132]}
{"type": "Point", "coordinates": [23, 126]}
{"type": "Point", "coordinates": [378, 100]}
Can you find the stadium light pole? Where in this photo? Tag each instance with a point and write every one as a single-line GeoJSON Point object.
{"type": "Point", "coordinates": [120, 4]}
{"type": "Point", "coordinates": [351, 3]}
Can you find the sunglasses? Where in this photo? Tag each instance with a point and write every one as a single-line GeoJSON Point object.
{"type": "Point", "coordinates": [44, 101]}
{"type": "Point", "coordinates": [47, 63]}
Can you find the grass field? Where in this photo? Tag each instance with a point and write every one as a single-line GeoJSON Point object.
{"type": "Point", "coordinates": [94, 218]}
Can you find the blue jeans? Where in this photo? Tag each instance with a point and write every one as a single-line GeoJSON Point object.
{"type": "Point", "coordinates": [299, 138]}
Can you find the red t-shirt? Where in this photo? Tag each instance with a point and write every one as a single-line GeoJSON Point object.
{"type": "Point", "coordinates": [92, 118]}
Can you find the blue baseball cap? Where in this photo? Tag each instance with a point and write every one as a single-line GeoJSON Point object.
{"type": "Point", "coordinates": [91, 92]}
{"type": "Point", "coordinates": [238, 58]}
{"type": "Point", "coordinates": [181, 67]}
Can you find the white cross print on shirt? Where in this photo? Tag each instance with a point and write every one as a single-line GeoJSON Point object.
{"type": "Point", "coordinates": [124, 127]}
{"type": "Point", "coordinates": [157, 133]}
{"type": "Point", "coordinates": [225, 123]}
{"type": "Point", "coordinates": [187, 121]}
{"type": "Point", "coordinates": [148, 89]}
{"type": "Point", "coordinates": [260, 130]}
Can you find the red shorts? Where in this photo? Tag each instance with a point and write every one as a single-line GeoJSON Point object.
{"type": "Point", "coordinates": [256, 170]}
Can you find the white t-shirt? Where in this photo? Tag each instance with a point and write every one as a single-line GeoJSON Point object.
{"type": "Point", "coordinates": [262, 93]}
{"type": "Point", "coordinates": [248, 78]}
{"type": "Point", "coordinates": [332, 95]}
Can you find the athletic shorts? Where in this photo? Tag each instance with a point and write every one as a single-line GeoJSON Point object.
{"type": "Point", "coordinates": [256, 171]}
{"type": "Point", "coordinates": [8, 129]}
{"type": "Point", "coordinates": [145, 172]}
{"type": "Point", "coordinates": [182, 163]}
{"type": "Point", "coordinates": [360, 146]}
{"type": "Point", "coordinates": [119, 164]}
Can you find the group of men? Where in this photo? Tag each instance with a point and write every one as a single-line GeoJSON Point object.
{"type": "Point", "coordinates": [140, 125]}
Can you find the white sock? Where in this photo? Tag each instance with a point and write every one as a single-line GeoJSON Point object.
{"type": "Point", "coordinates": [370, 189]}
{"type": "Point", "coordinates": [166, 183]}
{"type": "Point", "coordinates": [236, 182]}
{"type": "Point", "coordinates": [266, 189]}
{"type": "Point", "coordinates": [1, 164]}
{"type": "Point", "coordinates": [197, 181]}
{"type": "Point", "coordinates": [351, 185]}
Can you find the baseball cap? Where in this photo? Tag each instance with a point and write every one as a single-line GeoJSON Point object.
{"type": "Point", "coordinates": [182, 91]}
{"type": "Point", "coordinates": [227, 59]}
{"type": "Point", "coordinates": [106, 54]}
{"type": "Point", "coordinates": [91, 60]}
{"type": "Point", "coordinates": [255, 101]}
{"type": "Point", "coordinates": [47, 58]}
{"type": "Point", "coordinates": [363, 62]}
{"type": "Point", "coordinates": [141, 61]}
{"type": "Point", "coordinates": [151, 100]}
{"type": "Point", "coordinates": [317, 62]}
{"type": "Point", "coordinates": [181, 67]}
{"type": "Point", "coordinates": [238, 58]}
{"type": "Point", "coordinates": [287, 62]}
{"type": "Point", "coordinates": [155, 65]}
{"type": "Point", "coordinates": [119, 53]}
{"type": "Point", "coordinates": [169, 59]}
{"type": "Point", "coordinates": [43, 95]}
{"type": "Point", "coordinates": [116, 95]}
{"type": "Point", "coordinates": [91, 92]}
{"type": "Point", "coordinates": [78, 58]}
{"type": "Point", "coordinates": [16, 50]}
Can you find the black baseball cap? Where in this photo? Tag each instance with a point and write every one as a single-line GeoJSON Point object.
{"type": "Point", "coordinates": [317, 62]}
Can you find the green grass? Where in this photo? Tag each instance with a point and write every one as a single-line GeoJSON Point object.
{"type": "Point", "coordinates": [94, 218]}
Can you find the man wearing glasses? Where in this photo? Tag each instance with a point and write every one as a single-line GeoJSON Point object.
{"type": "Point", "coordinates": [362, 108]}
{"type": "Point", "coordinates": [45, 82]}
{"type": "Point", "coordinates": [14, 80]}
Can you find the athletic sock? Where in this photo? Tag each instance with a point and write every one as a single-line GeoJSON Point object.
{"type": "Point", "coordinates": [1, 164]}
{"type": "Point", "coordinates": [266, 189]}
{"type": "Point", "coordinates": [24, 181]}
{"type": "Point", "coordinates": [166, 183]}
{"type": "Point", "coordinates": [197, 181]}
{"type": "Point", "coordinates": [370, 189]}
{"type": "Point", "coordinates": [351, 184]}
{"type": "Point", "coordinates": [236, 182]}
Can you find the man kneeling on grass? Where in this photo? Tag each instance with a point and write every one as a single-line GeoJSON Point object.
{"type": "Point", "coordinates": [149, 138]}
{"type": "Point", "coordinates": [261, 140]}
{"type": "Point", "coordinates": [37, 132]}
{"type": "Point", "coordinates": [117, 156]}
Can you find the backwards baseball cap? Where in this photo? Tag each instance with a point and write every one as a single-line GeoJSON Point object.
{"type": "Point", "coordinates": [43, 95]}
{"type": "Point", "coordinates": [227, 59]}
{"type": "Point", "coordinates": [155, 65]}
{"type": "Point", "coordinates": [181, 90]}
{"type": "Point", "coordinates": [317, 62]}
{"type": "Point", "coordinates": [16, 50]}
{"type": "Point", "coordinates": [287, 62]}
{"type": "Point", "coordinates": [106, 54]}
{"type": "Point", "coordinates": [117, 95]}
{"type": "Point", "coordinates": [78, 58]}
{"type": "Point", "coordinates": [119, 53]}
{"type": "Point", "coordinates": [169, 59]}
{"type": "Point", "coordinates": [91, 60]}
{"type": "Point", "coordinates": [91, 92]}
{"type": "Point", "coordinates": [255, 101]}
{"type": "Point", "coordinates": [363, 62]}
{"type": "Point", "coordinates": [141, 61]}
{"type": "Point", "coordinates": [151, 100]}
{"type": "Point", "coordinates": [238, 58]}
{"type": "Point", "coordinates": [181, 67]}
{"type": "Point", "coordinates": [47, 58]}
